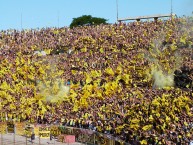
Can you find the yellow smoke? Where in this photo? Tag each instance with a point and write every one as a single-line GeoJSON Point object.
{"type": "Point", "coordinates": [55, 91]}
{"type": "Point", "coordinates": [161, 79]}
{"type": "Point", "coordinates": [52, 88]}
{"type": "Point", "coordinates": [163, 60]}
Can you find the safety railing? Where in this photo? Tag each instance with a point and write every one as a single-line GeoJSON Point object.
{"type": "Point", "coordinates": [58, 133]}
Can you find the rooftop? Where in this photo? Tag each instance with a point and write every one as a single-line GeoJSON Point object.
{"type": "Point", "coordinates": [147, 17]}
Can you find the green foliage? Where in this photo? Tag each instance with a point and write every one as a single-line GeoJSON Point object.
{"type": "Point", "coordinates": [87, 20]}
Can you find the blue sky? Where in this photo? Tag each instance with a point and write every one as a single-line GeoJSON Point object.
{"type": "Point", "coordinates": [46, 13]}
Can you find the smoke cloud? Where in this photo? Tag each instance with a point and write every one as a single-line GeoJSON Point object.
{"type": "Point", "coordinates": [53, 88]}
{"type": "Point", "coordinates": [163, 63]}
{"type": "Point", "coordinates": [160, 79]}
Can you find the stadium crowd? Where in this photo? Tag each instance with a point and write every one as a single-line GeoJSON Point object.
{"type": "Point", "coordinates": [115, 79]}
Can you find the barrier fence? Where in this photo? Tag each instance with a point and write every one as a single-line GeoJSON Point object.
{"type": "Point", "coordinates": [59, 132]}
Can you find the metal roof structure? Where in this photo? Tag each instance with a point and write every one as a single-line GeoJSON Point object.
{"type": "Point", "coordinates": [155, 17]}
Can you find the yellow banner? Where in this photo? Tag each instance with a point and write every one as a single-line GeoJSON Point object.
{"type": "Point", "coordinates": [3, 127]}
{"type": "Point", "coordinates": [54, 130]}
{"type": "Point", "coordinates": [10, 127]}
{"type": "Point", "coordinates": [44, 132]}
{"type": "Point", "coordinates": [28, 131]}
{"type": "Point", "coordinates": [20, 128]}
{"type": "Point", "coordinates": [36, 130]}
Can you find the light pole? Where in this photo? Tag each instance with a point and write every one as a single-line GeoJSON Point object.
{"type": "Point", "coordinates": [21, 21]}
{"type": "Point", "coordinates": [171, 7]}
{"type": "Point", "coordinates": [171, 10]}
{"type": "Point", "coordinates": [117, 6]}
{"type": "Point", "coordinates": [58, 19]}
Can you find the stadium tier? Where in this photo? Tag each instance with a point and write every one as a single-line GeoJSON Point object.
{"type": "Point", "coordinates": [129, 80]}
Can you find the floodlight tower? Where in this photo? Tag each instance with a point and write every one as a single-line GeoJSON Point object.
{"type": "Point", "coordinates": [171, 8]}
{"type": "Point", "coordinates": [21, 21]}
{"type": "Point", "coordinates": [58, 19]}
{"type": "Point", "coordinates": [117, 6]}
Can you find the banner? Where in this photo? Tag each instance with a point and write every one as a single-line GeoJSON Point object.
{"type": "Point", "coordinates": [84, 136]}
{"type": "Point", "coordinates": [3, 127]}
{"type": "Point", "coordinates": [36, 129]}
{"type": "Point", "coordinates": [63, 133]}
{"type": "Point", "coordinates": [28, 131]}
{"type": "Point", "coordinates": [44, 132]}
{"type": "Point", "coordinates": [10, 127]}
{"type": "Point", "coordinates": [55, 131]}
{"type": "Point", "coordinates": [20, 128]}
{"type": "Point", "coordinates": [101, 140]}
{"type": "Point", "coordinates": [88, 136]}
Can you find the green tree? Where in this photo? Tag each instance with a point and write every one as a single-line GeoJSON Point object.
{"type": "Point", "coordinates": [87, 20]}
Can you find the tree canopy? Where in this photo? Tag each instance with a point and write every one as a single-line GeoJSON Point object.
{"type": "Point", "coordinates": [87, 20]}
